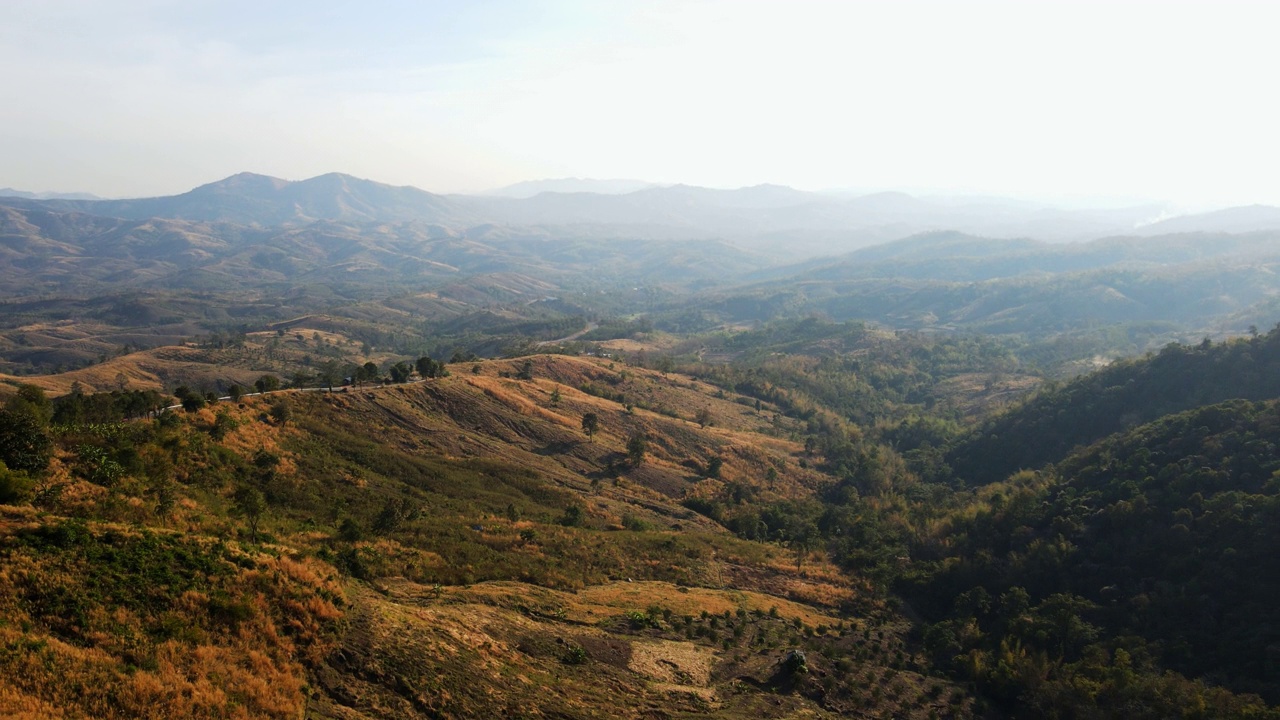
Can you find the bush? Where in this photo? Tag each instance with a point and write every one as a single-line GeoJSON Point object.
{"type": "Point", "coordinates": [572, 517]}
{"type": "Point", "coordinates": [14, 486]}
{"type": "Point", "coordinates": [574, 655]}
{"type": "Point", "coordinates": [795, 663]}
{"type": "Point", "coordinates": [631, 522]}
{"type": "Point", "coordinates": [350, 530]}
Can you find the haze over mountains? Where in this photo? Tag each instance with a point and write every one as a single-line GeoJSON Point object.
{"type": "Point", "coordinates": [808, 385]}
{"type": "Point", "coordinates": [479, 269]}
{"type": "Point", "coordinates": [529, 188]}
{"type": "Point", "coordinates": [10, 192]}
{"type": "Point", "coordinates": [759, 218]}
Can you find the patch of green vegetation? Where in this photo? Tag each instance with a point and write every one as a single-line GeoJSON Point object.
{"type": "Point", "coordinates": [1124, 394]}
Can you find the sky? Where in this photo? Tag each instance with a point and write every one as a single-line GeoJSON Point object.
{"type": "Point", "coordinates": [1071, 102]}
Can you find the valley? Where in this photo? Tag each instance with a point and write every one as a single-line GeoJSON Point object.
{"type": "Point", "coordinates": [337, 449]}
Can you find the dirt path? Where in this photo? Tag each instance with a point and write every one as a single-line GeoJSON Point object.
{"type": "Point", "coordinates": [569, 338]}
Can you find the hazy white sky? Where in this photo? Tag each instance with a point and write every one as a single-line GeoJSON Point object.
{"type": "Point", "coordinates": [1036, 99]}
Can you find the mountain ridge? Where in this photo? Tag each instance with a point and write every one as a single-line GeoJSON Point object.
{"type": "Point", "coordinates": [760, 217]}
{"type": "Point", "coordinates": [47, 195]}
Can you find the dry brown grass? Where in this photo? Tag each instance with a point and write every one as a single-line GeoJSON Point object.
{"type": "Point", "coordinates": [17, 705]}
{"type": "Point", "coordinates": [111, 664]}
{"type": "Point", "coordinates": [153, 369]}
{"type": "Point", "coordinates": [251, 433]}
{"type": "Point", "coordinates": [506, 393]}
{"type": "Point", "coordinates": [596, 602]}
{"type": "Point", "coordinates": [628, 346]}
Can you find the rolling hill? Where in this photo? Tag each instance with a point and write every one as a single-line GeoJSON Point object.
{"type": "Point", "coordinates": [1249, 218]}
{"type": "Point", "coordinates": [45, 251]}
{"type": "Point", "coordinates": [1159, 538]}
{"type": "Point", "coordinates": [1206, 284]}
{"type": "Point", "coordinates": [441, 549]}
{"type": "Point", "coordinates": [1047, 426]}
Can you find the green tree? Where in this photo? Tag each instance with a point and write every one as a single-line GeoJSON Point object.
{"type": "Point", "coordinates": [526, 371]}
{"type": "Point", "coordinates": [573, 516]}
{"type": "Point", "coordinates": [350, 530]}
{"type": "Point", "coordinates": [250, 504]}
{"type": "Point", "coordinates": [368, 372]}
{"type": "Point", "coordinates": [223, 423]}
{"type": "Point", "coordinates": [590, 424]}
{"type": "Point", "coordinates": [393, 514]}
{"type": "Point", "coordinates": [330, 373]}
{"type": "Point", "coordinates": [280, 412]}
{"type": "Point", "coordinates": [24, 445]}
{"type": "Point", "coordinates": [637, 446]}
{"type": "Point", "coordinates": [428, 367]}
{"type": "Point", "coordinates": [267, 383]}
{"type": "Point", "coordinates": [713, 467]}
{"type": "Point", "coordinates": [31, 399]}
{"type": "Point", "coordinates": [400, 372]}
{"type": "Point", "coordinates": [192, 401]}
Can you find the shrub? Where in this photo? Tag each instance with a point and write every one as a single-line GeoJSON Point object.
{"type": "Point", "coordinates": [574, 654]}
{"type": "Point", "coordinates": [350, 530]}
{"type": "Point", "coordinates": [572, 517]}
{"type": "Point", "coordinates": [631, 522]}
{"type": "Point", "coordinates": [795, 663]}
{"type": "Point", "coordinates": [14, 486]}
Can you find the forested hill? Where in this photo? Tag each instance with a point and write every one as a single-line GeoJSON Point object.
{"type": "Point", "coordinates": [1046, 427]}
{"type": "Point", "coordinates": [1167, 532]}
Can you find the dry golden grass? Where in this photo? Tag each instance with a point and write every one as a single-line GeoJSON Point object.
{"type": "Point", "coordinates": [251, 434]}
{"type": "Point", "coordinates": [650, 344]}
{"type": "Point", "coordinates": [153, 369]}
{"type": "Point", "coordinates": [505, 393]}
{"type": "Point", "coordinates": [672, 662]}
{"type": "Point", "coordinates": [110, 664]}
{"type": "Point", "coordinates": [497, 648]}
{"type": "Point", "coordinates": [423, 655]}
{"type": "Point", "coordinates": [491, 648]}
{"type": "Point", "coordinates": [596, 602]}
{"type": "Point", "coordinates": [977, 393]}
{"type": "Point", "coordinates": [17, 705]}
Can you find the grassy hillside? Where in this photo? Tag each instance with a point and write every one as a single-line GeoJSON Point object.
{"type": "Point", "coordinates": [454, 547]}
{"type": "Point", "coordinates": [779, 535]}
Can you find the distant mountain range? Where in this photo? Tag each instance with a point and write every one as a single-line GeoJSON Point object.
{"type": "Point", "coordinates": [259, 200]}
{"type": "Point", "coordinates": [11, 193]}
{"type": "Point", "coordinates": [529, 188]}
{"type": "Point", "coordinates": [1250, 218]}
{"type": "Point", "coordinates": [51, 251]}
{"type": "Point", "coordinates": [775, 219]}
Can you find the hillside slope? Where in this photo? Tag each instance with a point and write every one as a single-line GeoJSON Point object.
{"type": "Point", "coordinates": [1046, 427]}
{"type": "Point", "coordinates": [1159, 540]}
{"type": "Point", "coordinates": [449, 548]}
